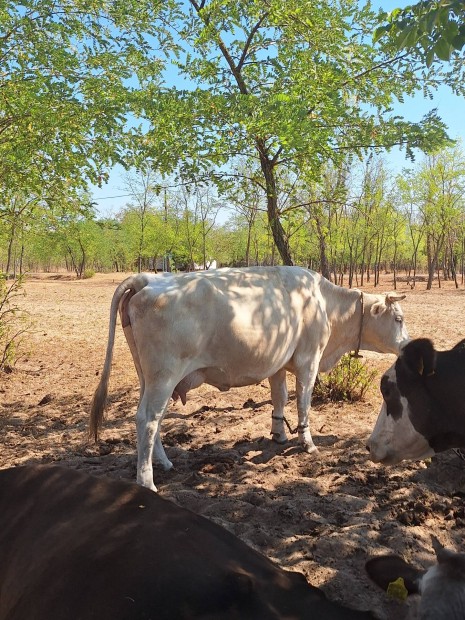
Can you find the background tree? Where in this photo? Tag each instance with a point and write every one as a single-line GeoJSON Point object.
{"type": "Point", "coordinates": [415, 227]}
{"type": "Point", "coordinates": [199, 211]}
{"type": "Point", "coordinates": [437, 191]}
{"type": "Point", "coordinates": [282, 83]}
{"type": "Point", "coordinates": [76, 233]}
{"type": "Point", "coordinates": [143, 192]}
{"type": "Point", "coordinates": [15, 212]}
{"type": "Point", "coordinates": [354, 219]}
{"type": "Point", "coordinates": [66, 70]}
{"type": "Point", "coordinates": [111, 254]}
{"type": "Point", "coordinates": [246, 198]}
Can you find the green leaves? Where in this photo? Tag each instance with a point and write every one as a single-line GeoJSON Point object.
{"type": "Point", "coordinates": [434, 29]}
{"type": "Point", "coordinates": [65, 94]}
{"type": "Point", "coordinates": [172, 86]}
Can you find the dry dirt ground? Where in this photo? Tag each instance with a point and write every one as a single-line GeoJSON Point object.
{"type": "Point", "coordinates": [322, 516]}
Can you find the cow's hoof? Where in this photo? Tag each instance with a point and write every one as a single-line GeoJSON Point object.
{"type": "Point", "coordinates": [147, 484]}
{"type": "Point", "coordinates": [310, 448]}
{"type": "Point", "coordinates": [166, 465]}
{"type": "Point", "coordinates": [278, 438]}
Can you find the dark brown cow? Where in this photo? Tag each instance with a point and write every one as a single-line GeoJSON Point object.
{"type": "Point", "coordinates": [76, 547]}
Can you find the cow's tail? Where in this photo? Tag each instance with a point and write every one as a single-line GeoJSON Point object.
{"type": "Point", "coordinates": [101, 393]}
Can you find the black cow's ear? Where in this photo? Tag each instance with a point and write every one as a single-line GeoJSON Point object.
{"type": "Point", "coordinates": [460, 346]}
{"type": "Point", "coordinates": [441, 552]}
{"type": "Point", "coordinates": [420, 356]}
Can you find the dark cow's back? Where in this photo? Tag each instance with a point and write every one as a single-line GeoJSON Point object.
{"type": "Point", "coordinates": [77, 547]}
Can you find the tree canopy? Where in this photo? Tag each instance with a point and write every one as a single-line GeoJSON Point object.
{"type": "Point", "coordinates": [434, 28]}
{"type": "Point", "coordinates": [209, 90]}
{"type": "Point", "coordinates": [289, 85]}
{"type": "Point", "coordinates": [65, 91]}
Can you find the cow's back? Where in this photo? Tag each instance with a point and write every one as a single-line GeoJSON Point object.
{"type": "Point", "coordinates": [246, 323]}
{"type": "Point", "coordinates": [75, 546]}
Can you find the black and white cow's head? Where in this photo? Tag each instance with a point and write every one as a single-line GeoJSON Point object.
{"type": "Point", "coordinates": [423, 410]}
{"type": "Point", "coordinates": [442, 587]}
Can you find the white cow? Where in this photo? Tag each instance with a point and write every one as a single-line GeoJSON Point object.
{"type": "Point", "coordinates": [236, 327]}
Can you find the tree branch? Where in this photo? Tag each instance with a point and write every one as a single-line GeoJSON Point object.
{"type": "Point", "coordinates": [248, 42]}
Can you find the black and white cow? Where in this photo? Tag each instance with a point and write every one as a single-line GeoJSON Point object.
{"type": "Point", "coordinates": [77, 547]}
{"type": "Point", "coordinates": [442, 587]}
{"type": "Point", "coordinates": [424, 404]}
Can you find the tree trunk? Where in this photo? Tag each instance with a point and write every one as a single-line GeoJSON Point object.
{"type": "Point", "coordinates": [431, 270]}
{"type": "Point", "coordinates": [324, 265]}
{"type": "Point", "coordinates": [10, 249]}
{"type": "Point", "coordinates": [82, 264]}
{"type": "Point", "coordinates": [247, 249]}
{"type": "Point", "coordinates": [462, 261]}
{"type": "Point", "coordinates": [21, 259]}
{"type": "Point", "coordinates": [453, 267]}
{"type": "Point", "coordinates": [279, 235]}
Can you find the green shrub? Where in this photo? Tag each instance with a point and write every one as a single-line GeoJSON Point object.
{"type": "Point", "coordinates": [14, 322]}
{"type": "Point", "coordinates": [88, 273]}
{"type": "Point", "coordinates": [348, 381]}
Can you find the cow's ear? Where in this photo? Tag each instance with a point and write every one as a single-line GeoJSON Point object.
{"type": "Point", "coordinates": [387, 569]}
{"type": "Point", "coordinates": [455, 561]}
{"type": "Point", "coordinates": [393, 297]}
{"type": "Point", "coordinates": [378, 308]}
{"type": "Point", "coordinates": [439, 549]}
{"type": "Point", "coordinates": [420, 356]}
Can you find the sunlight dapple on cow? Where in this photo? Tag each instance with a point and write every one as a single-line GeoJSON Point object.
{"type": "Point", "coordinates": [237, 327]}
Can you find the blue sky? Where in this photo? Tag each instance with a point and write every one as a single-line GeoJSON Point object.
{"type": "Point", "coordinates": [112, 197]}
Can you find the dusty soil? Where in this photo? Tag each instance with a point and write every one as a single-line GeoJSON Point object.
{"type": "Point", "coordinates": [322, 516]}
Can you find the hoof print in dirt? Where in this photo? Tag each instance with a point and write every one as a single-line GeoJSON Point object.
{"type": "Point", "coordinates": [177, 439]}
{"type": "Point", "coordinates": [413, 513]}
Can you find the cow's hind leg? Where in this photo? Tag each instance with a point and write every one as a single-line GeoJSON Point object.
{"type": "Point", "coordinates": [304, 382]}
{"type": "Point", "coordinates": [150, 412]}
{"type": "Point", "coordinates": [279, 399]}
{"type": "Point", "coordinates": [159, 453]}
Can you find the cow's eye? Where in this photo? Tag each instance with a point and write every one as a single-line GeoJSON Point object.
{"type": "Point", "coordinates": [399, 319]}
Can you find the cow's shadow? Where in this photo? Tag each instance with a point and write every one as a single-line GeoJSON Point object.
{"type": "Point", "coordinates": [270, 449]}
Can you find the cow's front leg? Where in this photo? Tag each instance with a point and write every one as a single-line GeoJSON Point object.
{"type": "Point", "coordinates": [279, 399]}
{"type": "Point", "coordinates": [303, 389]}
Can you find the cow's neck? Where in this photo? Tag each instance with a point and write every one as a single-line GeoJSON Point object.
{"type": "Point", "coordinates": [445, 441]}
{"type": "Point", "coordinates": [343, 309]}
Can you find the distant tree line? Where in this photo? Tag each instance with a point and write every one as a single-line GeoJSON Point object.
{"type": "Point", "coordinates": [354, 224]}
{"type": "Point", "coordinates": [261, 106]}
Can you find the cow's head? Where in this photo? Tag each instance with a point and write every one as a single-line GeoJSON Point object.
{"type": "Point", "coordinates": [401, 429]}
{"type": "Point", "coordinates": [384, 329]}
